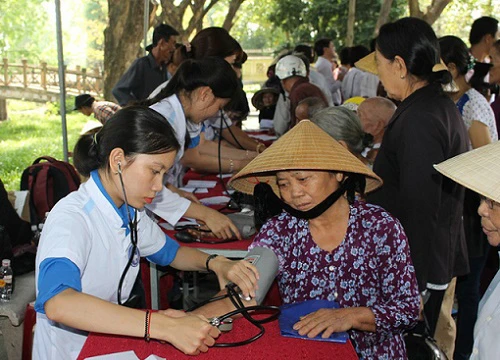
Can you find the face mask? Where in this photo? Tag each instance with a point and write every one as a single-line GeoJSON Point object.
{"type": "Point", "coordinates": [268, 204]}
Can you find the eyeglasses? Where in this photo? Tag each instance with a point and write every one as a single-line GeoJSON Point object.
{"type": "Point", "coordinates": [491, 203]}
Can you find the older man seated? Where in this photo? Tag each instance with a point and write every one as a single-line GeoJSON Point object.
{"type": "Point", "coordinates": [375, 114]}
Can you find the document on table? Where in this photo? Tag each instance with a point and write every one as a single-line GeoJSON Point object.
{"type": "Point", "coordinates": [195, 190]}
{"type": "Point", "coordinates": [201, 184]}
{"type": "Point", "coordinates": [264, 137]}
{"type": "Point", "coordinates": [215, 200]}
{"type": "Point", "coordinates": [125, 355]}
{"type": "Point", "coordinates": [266, 124]}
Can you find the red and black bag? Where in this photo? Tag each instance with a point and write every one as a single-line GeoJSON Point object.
{"type": "Point", "coordinates": [47, 181]}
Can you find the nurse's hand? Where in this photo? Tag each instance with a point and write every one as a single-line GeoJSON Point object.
{"type": "Point", "coordinates": [189, 333]}
{"type": "Point", "coordinates": [241, 273]}
{"type": "Point", "coordinates": [220, 225]}
{"type": "Point", "coordinates": [184, 194]}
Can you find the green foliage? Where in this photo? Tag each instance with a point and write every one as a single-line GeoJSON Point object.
{"type": "Point", "coordinates": [306, 21]}
{"type": "Point", "coordinates": [23, 34]}
{"type": "Point", "coordinates": [30, 133]}
{"type": "Point", "coordinates": [96, 18]}
{"type": "Point", "coordinates": [54, 108]}
{"type": "Point", "coordinates": [458, 16]}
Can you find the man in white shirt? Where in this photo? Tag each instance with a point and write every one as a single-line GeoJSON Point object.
{"type": "Point", "coordinates": [325, 50]}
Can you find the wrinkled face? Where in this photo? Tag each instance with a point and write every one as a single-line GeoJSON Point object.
{"type": "Point", "coordinates": [490, 220]}
{"type": "Point", "coordinates": [390, 76]}
{"type": "Point", "coordinates": [303, 189]}
{"type": "Point", "coordinates": [166, 48]}
{"type": "Point", "coordinates": [495, 70]}
{"type": "Point", "coordinates": [143, 178]}
{"type": "Point", "coordinates": [268, 99]}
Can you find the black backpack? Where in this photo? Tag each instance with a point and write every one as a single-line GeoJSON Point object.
{"type": "Point", "coordinates": [47, 181]}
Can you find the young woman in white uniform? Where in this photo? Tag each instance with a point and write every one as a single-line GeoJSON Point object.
{"type": "Point", "coordinates": [197, 91]}
{"type": "Point", "coordinates": [89, 237]}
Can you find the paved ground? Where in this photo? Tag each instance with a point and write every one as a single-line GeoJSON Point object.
{"type": "Point", "coordinates": [11, 340]}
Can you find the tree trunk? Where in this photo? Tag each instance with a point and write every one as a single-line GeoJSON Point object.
{"type": "Point", "coordinates": [122, 38]}
{"type": "Point", "coordinates": [173, 15]}
{"type": "Point", "coordinates": [349, 40]}
{"type": "Point", "coordinates": [433, 12]}
{"type": "Point", "coordinates": [234, 6]}
{"type": "Point", "coordinates": [383, 16]}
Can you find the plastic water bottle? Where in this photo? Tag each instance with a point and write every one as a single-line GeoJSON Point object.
{"type": "Point", "coordinates": [6, 279]}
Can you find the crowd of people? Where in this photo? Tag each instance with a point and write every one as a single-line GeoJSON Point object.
{"type": "Point", "coordinates": [350, 197]}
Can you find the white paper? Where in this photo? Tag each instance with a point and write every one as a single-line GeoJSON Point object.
{"type": "Point", "coordinates": [201, 183]}
{"type": "Point", "coordinates": [155, 357]}
{"type": "Point", "coordinates": [263, 137]}
{"type": "Point", "coordinates": [215, 200]}
{"type": "Point", "coordinates": [192, 189]}
{"type": "Point", "coordinates": [125, 355]}
{"type": "Point", "coordinates": [20, 201]}
{"type": "Point", "coordinates": [166, 226]}
{"type": "Point", "coordinates": [266, 124]}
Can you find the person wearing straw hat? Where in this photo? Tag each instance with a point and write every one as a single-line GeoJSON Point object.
{"type": "Point", "coordinates": [265, 101]}
{"type": "Point", "coordinates": [479, 170]}
{"type": "Point", "coordinates": [425, 129]}
{"type": "Point", "coordinates": [330, 245]}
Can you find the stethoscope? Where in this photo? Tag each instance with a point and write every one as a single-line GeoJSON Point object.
{"type": "Point", "coordinates": [133, 235]}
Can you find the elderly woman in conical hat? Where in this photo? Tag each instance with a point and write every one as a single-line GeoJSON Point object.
{"type": "Point", "coordinates": [479, 170]}
{"type": "Point", "coordinates": [330, 245]}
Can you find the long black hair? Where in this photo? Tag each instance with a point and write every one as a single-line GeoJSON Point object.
{"type": "Point", "coordinates": [211, 41]}
{"type": "Point", "coordinates": [416, 43]}
{"type": "Point", "coordinates": [454, 50]}
{"type": "Point", "coordinates": [135, 129]}
{"type": "Point", "coordinates": [214, 72]}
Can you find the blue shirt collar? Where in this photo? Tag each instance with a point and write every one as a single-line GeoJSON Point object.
{"type": "Point", "coordinates": [122, 210]}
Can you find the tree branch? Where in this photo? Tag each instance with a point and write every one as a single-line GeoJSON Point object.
{"type": "Point", "coordinates": [383, 16]}
{"type": "Point", "coordinates": [234, 6]}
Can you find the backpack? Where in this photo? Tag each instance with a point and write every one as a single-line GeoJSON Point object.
{"type": "Point", "coordinates": [47, 181]}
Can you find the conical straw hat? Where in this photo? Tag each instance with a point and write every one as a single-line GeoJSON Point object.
{"type": "Point", "coordinates": [304, 147]}
{"type": "Point", "coordinates": [478, 170]}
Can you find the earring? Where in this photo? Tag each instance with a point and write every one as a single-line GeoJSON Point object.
{"type": "Point", "coordinates": [402, 76]}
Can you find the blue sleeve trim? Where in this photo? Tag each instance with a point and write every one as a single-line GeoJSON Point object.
{"type": "Point", "coordinates": [166, 254]}
{"type": "Point", "coordinates": [194, 142]}
{"type": "Point", "coordinates": [203, 127]}
{"type": "Point", "coordinates": [54, 276]}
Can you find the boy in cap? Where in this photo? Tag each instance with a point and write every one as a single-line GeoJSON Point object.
{"type": "Point", "coordinates": [102, 110]}
{"type": "Point", "coordinates": [148, 72]}
{"type": "Point", "coordinates": [292, 72]}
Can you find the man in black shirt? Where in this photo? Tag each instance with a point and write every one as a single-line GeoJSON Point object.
{"type": "Point", "coordinates": [148, 72]}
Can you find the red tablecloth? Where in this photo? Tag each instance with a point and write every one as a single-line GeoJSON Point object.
{"type": "Point", "coordinates": [271, 346]}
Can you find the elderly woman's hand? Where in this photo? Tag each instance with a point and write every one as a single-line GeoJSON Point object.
{"type": "Point", "coordinates": [328, 321]}
{"type": "Point", "coordinates": [241, 273]}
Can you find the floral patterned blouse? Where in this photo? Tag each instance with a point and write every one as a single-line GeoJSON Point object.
{"type": "Point", "coordinates": [371, 267]}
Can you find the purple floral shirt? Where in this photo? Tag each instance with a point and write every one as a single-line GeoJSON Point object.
{"type": "Point", "coordinates": [371, 267]}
